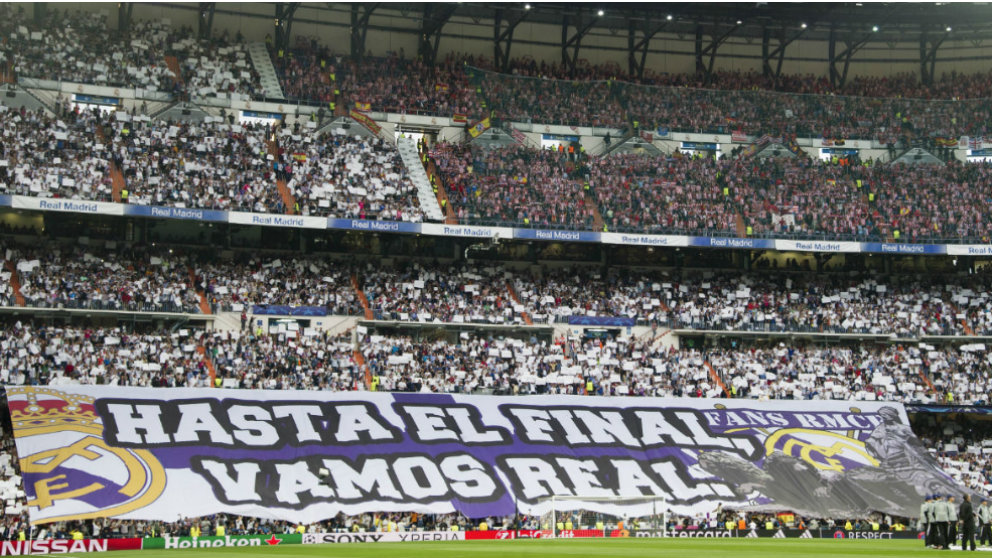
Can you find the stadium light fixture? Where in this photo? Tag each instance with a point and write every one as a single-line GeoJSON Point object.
{"type": "Point", "coordinates": [600, 13]}
{"type": "Point", "coordinates": [803, 26]}
{"type": "Point", "coordinates": [874, 28]}
{"type": "Point", "coordinates": [739, 22]}
{"type": "Point", "coordinates": [526, 6]}
{"type": "Point", "coordinates": [948, 29]}
{"type": "Point", "coordinates": [669, 18]}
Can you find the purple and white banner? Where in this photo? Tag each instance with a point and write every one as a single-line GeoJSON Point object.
{"type": "Point", "coordinates": [144, 453]}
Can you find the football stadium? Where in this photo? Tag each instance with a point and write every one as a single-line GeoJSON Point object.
{"type": "Point", "coordinates": [544, 279]}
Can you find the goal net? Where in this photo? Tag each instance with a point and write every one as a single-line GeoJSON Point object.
{"type": "Point", "coordinates": [569, 516]}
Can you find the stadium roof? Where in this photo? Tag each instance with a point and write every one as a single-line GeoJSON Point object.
{"type": "Point", "coordinates": [893, 19]}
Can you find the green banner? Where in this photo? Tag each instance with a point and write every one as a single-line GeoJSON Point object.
{"type": "Point", "coordinates": [217, 542]}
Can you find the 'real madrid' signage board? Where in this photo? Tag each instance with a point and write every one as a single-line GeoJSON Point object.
{"type": "Point", "coordinates": [149, 453]}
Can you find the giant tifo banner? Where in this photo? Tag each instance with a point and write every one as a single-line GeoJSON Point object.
{"type": "Point", "coordinates": [303, 456]}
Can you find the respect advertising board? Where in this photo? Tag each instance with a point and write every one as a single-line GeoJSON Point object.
{"type": "Point", "coordinates": [304, 456]}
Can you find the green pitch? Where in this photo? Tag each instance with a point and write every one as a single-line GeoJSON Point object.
{"type": "Point", "coordinates": [566, 548]}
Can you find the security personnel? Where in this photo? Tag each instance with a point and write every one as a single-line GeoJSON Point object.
{"type": "Point", "coordinates": [967, 515]}
{"type": "Point", "coordinates": [952, 523]}
{"type": "Point", "coordinates": [985, 519]}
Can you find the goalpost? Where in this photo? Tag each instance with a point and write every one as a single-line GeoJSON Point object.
{"type": "Point", "coordinates": [576, 513]}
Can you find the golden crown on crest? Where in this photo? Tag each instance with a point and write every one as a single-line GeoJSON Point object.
{"type": "Point", "coordinates": [34, 408]}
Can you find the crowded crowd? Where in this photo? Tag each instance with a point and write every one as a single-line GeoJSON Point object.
{"type": "Point", "coordinates": [391, 83]}
{"type": "Point", "coordinates": [963, 448]}
{"type": "Point", "coordinates": [126, 279]}
{"type": "Point", "coordinates": [239, 285]}
{"type": "Point", "coordinates": [664, 109]}
{"type": "Point", "coordinates": [208, 165]}
{"type": "Point", "coordinates": [603, 95]}
{"type": "Point", "coordinates": [49, 355]}
{"type": "Point", "coordinates": [288, 356]}
{"type": "Point", "coordinates": [767, 299]}
{"type": "Point", "coordinates": [513, 185]}
{"type": "Point", "coordinates": [664, 194]}
{"type": "Point", "coordinates": [903, 306]}
{"type": "Point", "coordinates": [893, 109]}
{"type": "Point", "coordinates": [217, 67]}
{"type": "Point", "coordinates": [299, 358]}
{"type": "Point", "coordinates": [345, 176]}
{"type": "Point", "coordinates": [61, 157]}
{"type": "Point", "coordinates": [419, 292]}
{"type": "Point", "coordinates": [80, 47]}
{"type": "Point", "coordinates": [677, 193]}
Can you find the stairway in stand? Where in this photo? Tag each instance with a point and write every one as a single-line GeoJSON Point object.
{"type": "Point", "coordinates": [173, 64]}
{"type": "Point", "coordinates": [430, 204]}
{"type": "Point", "coordinates": [597, 217]}
{"type": "Point", "coordinates": [716, 378]}
{"type": "Point", "coordinates": [287, 197]}
{"type": "Point", "coordinates": [360, 361]}
{"type": "Point", "coordinates": [204, 305]}
{"type": "Point", "coordinates": [116, 176]}
{"type": "Point", "coordinates": [209, 363]}
{"type": "Point", "coordinates": [15, 283]}
{"type": "Point", "coordinates": [266, 70]}
{"type": "Point", "coordinates": [361, 298]}
{"type": "Point", "coordinates": [741, 227]}
{"type": "Point", "coordinates": [7, 73]}
{"type": "Point", "coordinates": [119, 184]}
{"type": "Point", "coordinates": [926, 380]}
{"type": "Point", "coordinates": [450, 218]}
{"type": "Point", "coordinates": [513, 296]}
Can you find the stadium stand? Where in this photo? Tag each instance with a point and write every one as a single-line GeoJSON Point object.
{"type": "Point", "coordinates": [55, 157]}
{"type": "Point", "coordinates": [77, 47]}
{"type": "Point", "coordinates": [899, 332]}
{"type": "Point", "coordinates": [279, 282]}
{"type": "Point", "coordinates": [212, 165]}
{"type": "Point", "coordinates": [513, 185]}
{"type": "Point", "coordinates": [58, 277]}
{"type": "Point", "coordinates": [350, 177]}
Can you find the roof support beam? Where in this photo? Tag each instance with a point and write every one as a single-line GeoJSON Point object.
{"type": "Point", "coordinates": [435, 16]}
{"type": "Point", "coordinates": [575, 41]}
{"type": "Point", "coordinates": [284, 23]}
{"type": "Point", "coordinates": [205, 23]}
{"type": "Point", "coordinates": [768, 54]}
{"type": "Point", "coordinates": [709, 49]}
{"type": "Point", "coordinates": [124, 11]}
{"type": "Point", "coordinates": [837, 77]}
{"type": "Point", "coordinates": [635, 46]}
{"type": "Point", "coordinates": [929, 44]}
{"type": "Point", "coordinates": [360, 14]}
{"type": "Point", "coordinates": [503, 27]}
